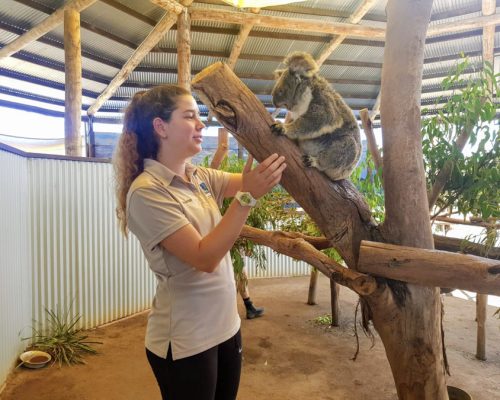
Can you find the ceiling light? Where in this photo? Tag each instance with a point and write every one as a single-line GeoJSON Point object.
{"type": "Point", "coordinates": [259, 3]}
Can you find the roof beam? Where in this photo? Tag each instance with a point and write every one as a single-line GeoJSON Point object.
{"type": "Point", "coordinates": [267, 21]}
{"type": "Point", "coordinates": [240, 41]}
{"type": "Point", "coordinates": [43, 27]}
{"type": "Point", "coordinates": [357, 16]}
{"type": "Point", "coordinates": [464, 25]}
{"type": "Point", "coordinates": [151, 40]}
{"type": "Point", "coordinates": [294, 9]}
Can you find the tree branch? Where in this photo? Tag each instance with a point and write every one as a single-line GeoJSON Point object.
{"type": "Point", "coordinates": [300, 247]}
{"type": "Point", "coordinates": [370, 137]}
{"type": "Point", "coordinates": [338, 209]}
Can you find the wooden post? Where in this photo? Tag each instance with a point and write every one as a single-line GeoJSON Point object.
{"type": "Point", "coordinates": [222, 148]}
{"type": "Point", "coordinates": [313, 284]}
{"type": "Point", "coordinates": [481, 305]}
{"type": "Point", "coordinates": [73, 84]}
{"type": "Point", "coordinates": [184, 50]}
{"type": "Point", "coordinates": [334, 296]}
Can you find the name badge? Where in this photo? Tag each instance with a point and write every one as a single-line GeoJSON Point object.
{"type": "Point", "coordinates": [204, 187]}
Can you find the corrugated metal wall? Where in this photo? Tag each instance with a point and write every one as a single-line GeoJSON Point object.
{"type": "Point", "coordinates": [62, 250]}
{"type": "Point", "coordinates": [80, 259]}
{"type": "Point", "coordinates": [15, 263]}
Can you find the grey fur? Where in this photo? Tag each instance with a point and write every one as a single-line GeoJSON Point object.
{"type": "Point", "coordinates": [323, 125]}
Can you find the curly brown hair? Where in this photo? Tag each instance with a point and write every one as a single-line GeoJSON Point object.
{"type": "Point", "coordinates": [138, 139]}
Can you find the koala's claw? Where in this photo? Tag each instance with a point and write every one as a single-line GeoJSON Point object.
{"type": "Point", "coordinates": [307, 161]}
{"type": "Point", "coordinates": [277, 129]}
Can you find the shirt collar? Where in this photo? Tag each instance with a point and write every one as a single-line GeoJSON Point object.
{"type": "Point", "coordinates": [159, 171]}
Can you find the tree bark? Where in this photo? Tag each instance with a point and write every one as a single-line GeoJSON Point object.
{"type": "Point", "coordinates": [412, 338]}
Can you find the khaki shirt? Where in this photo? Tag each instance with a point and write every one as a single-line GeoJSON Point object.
{"type": "Point", "coordinates": [192, 310]}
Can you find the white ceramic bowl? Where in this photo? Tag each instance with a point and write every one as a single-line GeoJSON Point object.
{"type": "Point", "coordinates": [35, 359]}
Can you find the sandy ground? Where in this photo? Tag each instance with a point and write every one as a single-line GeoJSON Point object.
{"type": "Point", "coordinates": [286, 355]}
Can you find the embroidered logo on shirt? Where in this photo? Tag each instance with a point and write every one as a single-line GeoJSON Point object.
{"type": "Point", "coordinates": [204, 187]}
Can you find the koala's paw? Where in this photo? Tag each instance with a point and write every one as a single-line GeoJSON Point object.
{"type": "Point", "coordinates": [278, 129]}
{"type": "Point", "coordinates": [310, 161]}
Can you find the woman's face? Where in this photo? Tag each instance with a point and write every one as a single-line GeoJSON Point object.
{"type": "Point", "coordinates": [183, 133]}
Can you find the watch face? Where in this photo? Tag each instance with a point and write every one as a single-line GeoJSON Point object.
{"type": "Point", "coordinates": [245, 198]}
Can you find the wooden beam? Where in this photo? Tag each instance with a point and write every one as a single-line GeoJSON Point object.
{"type": "Point", "coordinates": [240, 41]}
{"type": "Point", "coordinates": [170, 5]}
{"type": "Point", "coordinates": [430, 267]}
{"type": "Point", "coordinates": [464, 25]}
{"type": "Point", "coordinates": [151, 40]}
{"type": "Point", "coordinates": [268, 21]}
{"type": "Point", "coordinates": [43, 27]}
{"type": "Point", "coordinates": [73, 83]}
{"type": "Point", "coordinates": [294, 9]}
{"type": "Point", "coordinates": [357, 16]}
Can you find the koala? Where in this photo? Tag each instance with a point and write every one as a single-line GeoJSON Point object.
{"type": "Point", "coordinates": [322, 124]}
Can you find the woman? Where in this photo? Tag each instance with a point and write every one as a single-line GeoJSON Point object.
{"type": "Point", "coordinates": [193, 341]}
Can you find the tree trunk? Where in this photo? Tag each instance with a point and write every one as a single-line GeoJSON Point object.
{"type": "Point", "coordinates": [409, 328]}
{"type": "Point", "coordinates": [411, 332]}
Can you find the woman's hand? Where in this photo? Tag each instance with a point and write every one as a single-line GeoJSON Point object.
{"type": "Point", "coordinates": [263, 177]}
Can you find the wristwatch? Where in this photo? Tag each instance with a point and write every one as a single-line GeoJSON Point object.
{"type": "Point", "coordinates": [246, 199]}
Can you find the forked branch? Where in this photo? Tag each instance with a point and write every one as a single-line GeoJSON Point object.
{"type": "Point", "coordinates": [303, 248]}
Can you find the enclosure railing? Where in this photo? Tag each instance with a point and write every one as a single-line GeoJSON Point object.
{"type": "Point", "coordinates": [61, 249]}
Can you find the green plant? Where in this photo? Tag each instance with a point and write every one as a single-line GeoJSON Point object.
{"type": "Point", "coordinates": [323, 320]}
{"type": "Point", "coordinates": [61, 339]}
{"type": "Point", "coordinates": [468, 116]}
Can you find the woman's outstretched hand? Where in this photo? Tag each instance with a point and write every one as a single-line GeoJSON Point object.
{"type": "Point", "coordinates": [263, 177]}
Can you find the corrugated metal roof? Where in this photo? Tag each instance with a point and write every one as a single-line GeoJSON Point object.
{"type": "Point", "coordinates": [111, 30]}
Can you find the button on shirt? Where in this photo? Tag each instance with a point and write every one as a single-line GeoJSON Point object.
{"type": "Point", "coordinates": [192, 310]}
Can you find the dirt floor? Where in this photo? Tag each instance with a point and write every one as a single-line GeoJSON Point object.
{"type": "Point", "coordinates": [286, 355]}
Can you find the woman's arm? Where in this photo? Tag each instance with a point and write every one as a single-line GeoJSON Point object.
{"type": "Point", "coordinates": [205, 253]}
{"type": "Point", "coordinates": [234, 184]}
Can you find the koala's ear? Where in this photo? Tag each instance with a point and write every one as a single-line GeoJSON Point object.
{"type": "Point", "coordinates": [301, 63]}
{"type": "Point", "coordinates": [278, 73]}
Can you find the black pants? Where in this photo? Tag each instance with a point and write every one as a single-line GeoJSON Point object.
{"type": "Point", "coordinates": [211, 375]}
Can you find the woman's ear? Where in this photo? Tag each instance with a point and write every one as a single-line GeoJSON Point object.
{"type": "Point", "coordinates": [160, 128]}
